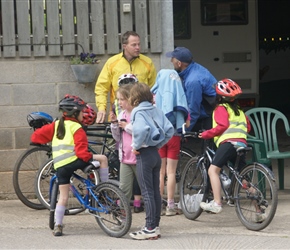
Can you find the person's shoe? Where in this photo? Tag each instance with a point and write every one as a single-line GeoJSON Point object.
{"type": "Point", "coordinates": [178, 211]}
{"type": "Point", "coordinates": [57, 230]}
{"type": "Point", "coordinates": [138, 209]}
{"type": "Point", "coordinates": [211, 207]}
{"type": "Point", "coordinates": [260, 217]}
{"type": "Point", "coordinates": [170, 211]}
{"type": "Point", "coordinates": [145, 234]}
{"type": "Point", "coordinates": [157, 231]}
{"type": "Point", "coordinates": [231, 203]}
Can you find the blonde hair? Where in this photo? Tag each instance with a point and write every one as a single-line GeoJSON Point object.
{"type": "Point", "coordinates": [124, 90]}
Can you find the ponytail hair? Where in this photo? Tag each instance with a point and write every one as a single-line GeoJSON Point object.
{"type": "Point", "coordinates": [60, 132]}
{"type": "Point", "coordinates": [234, 105]}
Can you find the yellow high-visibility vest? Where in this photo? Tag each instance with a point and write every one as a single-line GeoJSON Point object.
{"type": "Point", "coordinates": [237, 128]}
{"type": "Point", "coordinates": [63, 151]}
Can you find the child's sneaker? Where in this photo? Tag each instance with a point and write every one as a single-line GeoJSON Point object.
{"type": "Point", "coordinates": [231, 202]}
{"type": "Point", "coordinates": [260, 217]}
{"type": "Point", "coordinates": [211, 207]}
{"type": "Point", "coordinates": [138, 209]}
{"type": "Point", "coordinates": [57, 230]}
{"type": "Point", "coordinates": [170, 211]}
{"type": "Point", "coordinates": [157, 231]}
{"type": "Point", "coordinates": [145, 234]}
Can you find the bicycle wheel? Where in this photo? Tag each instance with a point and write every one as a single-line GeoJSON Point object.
{"type": "Point", "coordinates": [258, 193]}
{"type": "Point", "coordinates": [42, 183]}
{"type": "Point", "coordinates": [193, 188]}
{"type": "Point", "coordinates": [54, 194]}
{"type": "Point", "coordinates": [116, 218]}
{"type": "Point", "coordinates": [184, 156]}
{"type": "Point", "coordinates": [24, 173]}
{"type": "Point", "coordinates": [42, 187]}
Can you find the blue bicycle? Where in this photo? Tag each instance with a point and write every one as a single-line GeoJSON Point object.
{"type": "Point", "coordinates": [105, 201]}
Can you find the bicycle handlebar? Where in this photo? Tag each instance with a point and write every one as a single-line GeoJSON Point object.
{"type": "Point", "coordinates": [97, 127]}
{"type": "Point", "coordinates": [38, 144]}
{"type": "Point", "coordinates": [189, 133]}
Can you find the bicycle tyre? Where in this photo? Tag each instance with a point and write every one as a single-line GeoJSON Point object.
{"type": "Point", "coordinates": [25, 171]}
{"type": "Point", "coordinates": [184, 156]}
{"type": "Point", "coordinates": [42, 183]}
{"type": "Point", "coordinates": [117, 219]}
{"type": "Point", "coordinates": [262, 180]}
{"type": "Point", "coordinates": [193, 188]}
{"type": "Point", "coordinates": [42, 187]}
{"type": "Point", "coordinates": [54, 194]}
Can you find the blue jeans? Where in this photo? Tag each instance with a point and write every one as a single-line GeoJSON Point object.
{"type": "Point", "coordinates": [148, 172]}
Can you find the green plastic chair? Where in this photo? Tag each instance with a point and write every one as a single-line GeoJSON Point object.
{"type": "Point", "coordinates": [259, 152]}
{"type": "Point", "coordinates": [263, 137]}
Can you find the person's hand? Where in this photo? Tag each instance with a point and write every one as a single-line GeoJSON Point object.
{"type": "Point", "coordinates": [122, 124]}
{"type": "Point", "coordinates": [200, 135]}
{"type": "Point", "coordinates": [101, 115]}
{"type": "Point", "coordinates": [113, 116]}
{"type": "Point", "coordinates": [135, 152]}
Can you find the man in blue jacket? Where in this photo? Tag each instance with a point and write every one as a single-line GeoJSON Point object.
{"type": "Point", "coordinates": [198, 86]}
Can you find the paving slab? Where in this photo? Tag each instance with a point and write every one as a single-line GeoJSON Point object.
{"type": "Point", "coordinates": [25, 228]}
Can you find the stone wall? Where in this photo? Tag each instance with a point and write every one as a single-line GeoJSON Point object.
{"type": "Point", "coordinates": [27, 86]}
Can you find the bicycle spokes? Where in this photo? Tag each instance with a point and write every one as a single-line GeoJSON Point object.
{"type": "Point", "coordinates": [256, 197]}
{"type": "Point", "coordinates": [113, 212]}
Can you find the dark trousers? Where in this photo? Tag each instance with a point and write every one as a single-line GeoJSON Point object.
{"type": "Point", "coordinates": [148, 172]}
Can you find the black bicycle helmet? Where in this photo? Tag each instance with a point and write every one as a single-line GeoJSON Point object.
{"type": "Point", "coordinates": [71, 104]}
{"type": "Point", "coordinates": [38, 119]}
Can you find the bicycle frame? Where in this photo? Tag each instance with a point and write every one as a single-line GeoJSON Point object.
{"type": "Point", "coordinates": [84, 201]}
{"type": "Point", "coordinates": [209, 154]}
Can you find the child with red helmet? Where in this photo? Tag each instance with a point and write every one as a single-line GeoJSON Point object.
{"type": "Point", "coordinates": [229, 130]}
{"type": "Point", "coordinates": [69, 150]}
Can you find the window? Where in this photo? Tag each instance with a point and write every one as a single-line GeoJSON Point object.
{"type": "Point", "coordinates": [224, 12]}
{"type": "Point", "coordinates": [181, 17]}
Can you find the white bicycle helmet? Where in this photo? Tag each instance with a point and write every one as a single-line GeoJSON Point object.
{"type": "Point", "coordinates": [127, 78]}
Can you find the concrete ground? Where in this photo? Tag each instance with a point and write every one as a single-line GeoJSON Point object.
{"type": "Point", "coordinates": [25, 228]}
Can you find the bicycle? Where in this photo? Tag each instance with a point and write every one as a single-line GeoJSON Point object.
{"type": "Point", "coordinates": [28, 163]}
{"type": "Point", "coordinates": [252, 187]}
{"type": "Point", "coordinates": [185, 154]}
{"type": "Point", "coordinates": [25, 170]}
{"type": "Point", "coordinates": [47, 171]}
{"type": "Point", "coordinates": [106, 202]}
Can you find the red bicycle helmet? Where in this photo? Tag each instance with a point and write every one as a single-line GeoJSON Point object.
{"type": "Point", "coordinates": [89, 116]}
{"type": "Point", "coordinates": [70, 104]}
{"type": "Point", "coordinates": [228, 89]}
{"type": "Point", "coordinates": [127, 78]}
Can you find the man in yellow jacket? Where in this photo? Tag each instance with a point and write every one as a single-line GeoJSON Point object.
{"type": "Point", "coordinates": [128, 61]}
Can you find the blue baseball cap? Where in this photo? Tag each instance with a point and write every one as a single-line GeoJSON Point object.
{"type": "Point", "coordinates": [182, 54]}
